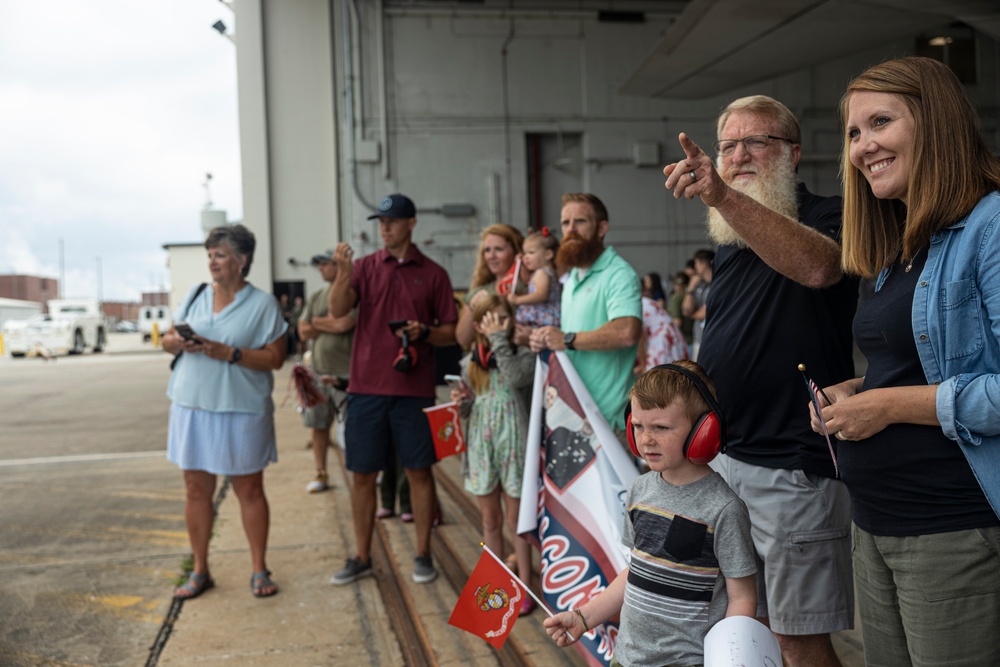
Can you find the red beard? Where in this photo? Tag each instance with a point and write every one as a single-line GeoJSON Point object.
{"type": "Point", "coordinates": [574, 250]}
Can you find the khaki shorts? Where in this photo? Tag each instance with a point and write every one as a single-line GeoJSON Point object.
{"type": "Point", "coordinates": [322, 415]}
{"type": "Point", "coordinates": [801, 528]}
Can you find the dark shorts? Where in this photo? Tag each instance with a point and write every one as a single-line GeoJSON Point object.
{"type": "Point", "coordinates": [378, 421]}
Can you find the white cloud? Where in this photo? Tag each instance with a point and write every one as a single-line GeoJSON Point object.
{"type": "Point", "coordinates": [114, 111]}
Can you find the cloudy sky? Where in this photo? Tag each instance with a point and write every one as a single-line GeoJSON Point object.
{"type": "Point", "coordinates": [112, 113]}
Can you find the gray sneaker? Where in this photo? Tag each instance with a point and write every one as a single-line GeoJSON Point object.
{"type": "Point", "coordinates": [423, 570]}
{"type": "Point", "coordinates": [353, 569]}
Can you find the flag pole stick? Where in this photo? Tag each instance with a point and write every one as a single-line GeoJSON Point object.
{"type": "Point", "coordinates": [819, 413]}
{"type": "Point", "coordinates": [802, 368]}
{"type": "Point", "coordinates": [518, 579]}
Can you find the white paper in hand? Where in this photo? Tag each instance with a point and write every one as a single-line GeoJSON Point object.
{"type": "Point", "coordinates": [740, 641]}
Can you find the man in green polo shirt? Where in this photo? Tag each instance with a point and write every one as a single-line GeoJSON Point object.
{"type": "Point", "coordinates": [601, 314]}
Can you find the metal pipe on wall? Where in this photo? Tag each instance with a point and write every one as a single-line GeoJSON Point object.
{"type": "Point", "coordinates": [352, 160]}
{"type": "Point", "coordinates": [668, 11]}
{"type": "Point", "coordinates": [493, 192]}
{"type": "Point", "coordinates": [506, 117]}
{"type": "Point", "coordinates": [358, 93]}
{"type": "Point", "coordinates": [380, 65]}
{"type": "Point", "coordinates": [341, 227]}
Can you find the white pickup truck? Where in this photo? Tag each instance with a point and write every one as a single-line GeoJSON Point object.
{"type": "Point", "coordinates": [70, 326]}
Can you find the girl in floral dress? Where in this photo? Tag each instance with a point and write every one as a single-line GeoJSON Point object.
{"type": "Point", "coordinates": [540, 307]}
{"type": "Point", "coordinates": [497, 425]}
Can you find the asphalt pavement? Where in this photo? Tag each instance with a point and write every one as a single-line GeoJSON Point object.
{"type": "Point", "coordinates": [92, 533]}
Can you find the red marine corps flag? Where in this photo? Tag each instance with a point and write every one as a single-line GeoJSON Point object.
{"type": "Point", "coordinates": [508, 283]}
{"type": "Point", "coordinates": [446, 427]}
{"type": "Point", "coordinates": [488, 605]}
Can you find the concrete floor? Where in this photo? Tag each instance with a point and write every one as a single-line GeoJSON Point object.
{"type": "Point", "coordinates": [92, 534]}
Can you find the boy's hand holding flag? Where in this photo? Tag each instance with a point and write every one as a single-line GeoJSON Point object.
{"type": "Point", "coordinates": [488, 605]}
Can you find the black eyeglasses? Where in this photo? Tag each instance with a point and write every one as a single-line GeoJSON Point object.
{"type": "Point", "coordinates": [752, 144]}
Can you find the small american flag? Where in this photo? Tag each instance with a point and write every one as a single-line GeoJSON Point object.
{"type": "Point", "coordinates": [814, 394]}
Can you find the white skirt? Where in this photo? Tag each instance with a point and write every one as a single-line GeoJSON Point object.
{"type": "Point", "coordinates": [221, 443]}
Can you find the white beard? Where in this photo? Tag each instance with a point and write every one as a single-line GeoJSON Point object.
{"type": "Point", "coordinates": [777, 189]}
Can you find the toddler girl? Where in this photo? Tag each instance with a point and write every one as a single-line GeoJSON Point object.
{"type": "Point", "coordinates": [492, 375]}
{"type": "Point", "coordinates": [540, 306]}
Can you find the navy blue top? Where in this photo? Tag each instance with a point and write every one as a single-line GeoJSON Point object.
{"type": "Point", "coordinates": [759, 327]}
{"type": "Point", "coordinates": [908, 479]}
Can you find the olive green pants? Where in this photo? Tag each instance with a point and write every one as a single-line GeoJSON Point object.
{"type": "Point", "coordinates": [929, 600]}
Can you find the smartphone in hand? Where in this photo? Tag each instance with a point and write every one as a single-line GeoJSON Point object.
{"type": "Point", "coordinates": [185, 330]}
{"type": "Point", "coordinates": [455, 384]}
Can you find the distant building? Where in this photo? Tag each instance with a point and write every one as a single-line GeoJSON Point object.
{"type": "Point", "coordinates": [40, 290]}
{"type": "Point", "coordinates": [29, 288]}
{"type": "Point", "coordinates": [187, 261]}
{"type": "Point", "coordinates": [116, 311]}
{"type": "Point", "coordinates": [17, 309]}
{"type": "Point", "coordinates": [157, 297]}
{"type": "Point", "coordinates": [188, 267]}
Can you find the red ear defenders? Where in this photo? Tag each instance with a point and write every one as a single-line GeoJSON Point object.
{"type": "Point", "coordinates": [708, 434]}
{"type": "Point", "coordinates": [483, 356]}
{"type": "Point", "coordinates": [407, 357]}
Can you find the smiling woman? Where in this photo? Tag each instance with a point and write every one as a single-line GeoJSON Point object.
{"type": "Point", "coordinates": [881, 130]}
{"type": "Point", "coordinates": [919, 434]}
{"type": "Point", "coordinates": [499, 246]}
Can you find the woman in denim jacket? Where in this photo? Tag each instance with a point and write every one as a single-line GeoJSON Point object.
{"type": "Point", "coordinates": [920, 433]}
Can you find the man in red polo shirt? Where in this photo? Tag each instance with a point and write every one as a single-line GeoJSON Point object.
{"type": "Point", "coordinates": [388, 388]}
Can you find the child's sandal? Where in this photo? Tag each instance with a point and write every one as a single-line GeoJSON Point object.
{"type": "Point", "coordinates": [194, 586]}
{"type": "Point", "coordinates": [261, 585]}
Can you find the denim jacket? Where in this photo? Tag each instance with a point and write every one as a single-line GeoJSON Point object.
{"type": "Point", "coordinates": [956, 326]}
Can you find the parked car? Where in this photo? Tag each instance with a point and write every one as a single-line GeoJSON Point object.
{"type": "Point", "coordinates": [70, 326]}
{"type": "Point", "coordinates": [126, 326]}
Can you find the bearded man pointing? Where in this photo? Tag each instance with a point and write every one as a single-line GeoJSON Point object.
{"type": "Point", "coordinates": [778, 299]}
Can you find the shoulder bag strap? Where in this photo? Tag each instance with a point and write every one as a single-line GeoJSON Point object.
{"type": "Point", "coordinates": [197, 293]}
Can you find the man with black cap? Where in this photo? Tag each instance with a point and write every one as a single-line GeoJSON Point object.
{"type": "Point", "coordinates": [405, 304]}
{"type": "Point", "coordinates": [332, 339]}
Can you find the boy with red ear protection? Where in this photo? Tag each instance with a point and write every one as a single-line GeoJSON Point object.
{"type": "Point", "coordinates": [692, 557]}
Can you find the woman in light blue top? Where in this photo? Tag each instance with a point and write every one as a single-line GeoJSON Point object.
{"type": "Point", "coordinates": [222, 415]}
{"type": "Point", "coordinates": [920, 433]}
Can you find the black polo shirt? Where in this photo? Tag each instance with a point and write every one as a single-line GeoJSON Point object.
{"type": "Point", "coordinates": [759, 327]}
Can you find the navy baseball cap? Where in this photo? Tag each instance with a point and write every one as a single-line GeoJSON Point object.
{"type": "Point", "coordinates": [395, 206]}
{"type": "Point", "coordinates": [322, 258]}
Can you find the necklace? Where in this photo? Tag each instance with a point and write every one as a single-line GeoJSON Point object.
{"type": "Point", "coordinates": [912, 260]}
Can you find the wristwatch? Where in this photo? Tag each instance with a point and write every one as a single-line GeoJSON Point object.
{"type": "Point", "coordinates": [237, 355]}
{"type": "Point", "coordinates": [568, 339]}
